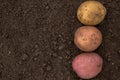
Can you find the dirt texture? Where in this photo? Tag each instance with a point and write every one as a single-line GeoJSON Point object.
{"type": "Point", "coordinates": [36, 40]}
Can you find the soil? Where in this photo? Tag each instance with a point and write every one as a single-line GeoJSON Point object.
{"type": "Point", "coordinates": [36, 40]}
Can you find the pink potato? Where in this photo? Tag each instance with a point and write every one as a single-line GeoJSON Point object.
{"type": "Point", "coordinates": [87, 65]}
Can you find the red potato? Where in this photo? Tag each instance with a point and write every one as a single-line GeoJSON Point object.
{"type": "Point", "coordinates": [87, 65]}
{"type": "Point", "coordinates": [87, 38]}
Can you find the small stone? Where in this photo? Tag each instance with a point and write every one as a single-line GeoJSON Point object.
{"type": "Point", "coordinates": [60, 57]}
{"type": "Point", "coordinates": [47, 7]}
{"type": "Point", "coordinates": [68, 52]}
{"type": "Point", "coordinates": [24, 70]}
{"type": "Point", "coordinates": [9, 52]}
{"type": "Point", "coordinates": [54, 42]}
{"type": "Point", "coordinates": [29, 74]}
{"type": "Point", "coordinates": [116, 68]}
{"type": "Point", "coordinates": [69, 62]}
{"type": "Point", "coordinates": [35, 59]}
{"type": "Point", "coordinates": [109, 58]}
{"type": "Point", "coordinates": [24, 56]}
{"type": "Point", "coordinates": [44, 65]}
{"type": "Point", "coordinates": [59, 35]}
{"type": "Point", "coordinates": [61, 47]}
{"type": "Point", "coordinates": [40, 37]}
{"type": "Point", "coordinates": [112, 63]}
{"type": "Point", "coordinates": [68, 78]}
{"type": "Point", "coordinates": [119, 51]}
{"type": "Point", "coordinates": [36, 46]}
{"type": "Point", "coordinates": [1, 65]}
{"type": "Point", "coordinates": [37, 54]}
{"type": "Point", "coordinates": [1, 45]}
{"type": "Point", "coordinates": [52, 75]}
{"type": "Point", "coordinates": [69, 42]}
{"type": "Point", "coordinates": [44, 29]}
{"type": "Point", "coordinates": [48, 68]}
{"type": "Point", "coordinates": [54, 54]}
{"type": "Point", "coordinates": [54, 78]}
{"type": "Point", "coordinates": [20, 62]}
{"type": "Point", "coordinates": [67, 57]}
{"type": "Point", "coordinates": [73, 16]}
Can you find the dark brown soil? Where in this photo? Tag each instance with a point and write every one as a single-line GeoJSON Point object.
{"type": "Point", "coordinates": [36, 40]}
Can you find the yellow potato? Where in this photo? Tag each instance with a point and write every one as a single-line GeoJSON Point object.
{"type": "Point", "coordinates": [87, 38]}
{"type": "Point", "coordinates": [91, 12]}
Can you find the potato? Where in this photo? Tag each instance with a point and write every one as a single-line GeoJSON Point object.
{"type": "Point", "coordinates": [87, 65]}
{"type": "Point", "coordinates": [88, 38]}
{"type": "Point", "coordinates": [91, 13]}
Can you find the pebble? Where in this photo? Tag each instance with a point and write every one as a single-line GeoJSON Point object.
{"type": "Point", "coordinates": [54, 78]}
{"type": "Point", "coordinates": [35, 59]}
{"type": "Point", "coordinates": [1, 45]}
{"type": "Point", "coordinates": [20, 62]}
{"type": "Point", "coordinates": [119, 51]}
{"type": "Point", "coordinates": [68, 52]}
{"type": "Point", "coordinates": [44, 64]}
{"type": "Point", "coordinates": [60, 57]}
{"type": "Point", "coordinates": [109, 58]}
{"type": "Point", "coordinates": [1, 65]}
{"type": "Point", "coordinates": [48, 68]}
{"type": "Point", "coordinates": [69, 42]}
{"type": "Point", "coordinates": [47, 7]}
{"type": "Point", "coordinates": [59, 35]}
{"type": "Point", "coordinates": [68, 78]}
{"type": "Point", "coordinates": [112, 63]}
{"type": "Point", "coordinates": [61, 47]}
{"type": "Point", "coordinates": [24, 56]}
{"type": "Point", "coordinates": [67, 57]}
{"type": "Point", "coordinates": [30, 74]}
{"type": "Point", "coordinates": [54, 54]}
{"type": "Point", "coordinates": [9, 52]}
{"type": "Point", "coordinates": [36, 45]}
{"type": "Point", "coordinates": [24, 70]}
{"type": "Point", "coordinates": [37, 53]}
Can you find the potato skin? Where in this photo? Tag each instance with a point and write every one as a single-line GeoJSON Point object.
{"type": "Point", "coordinates": [87, 65]}
{"type": "Point", "coordinates": [87, 38]}
{"type": "Point", "coordinates": [91, 12]}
